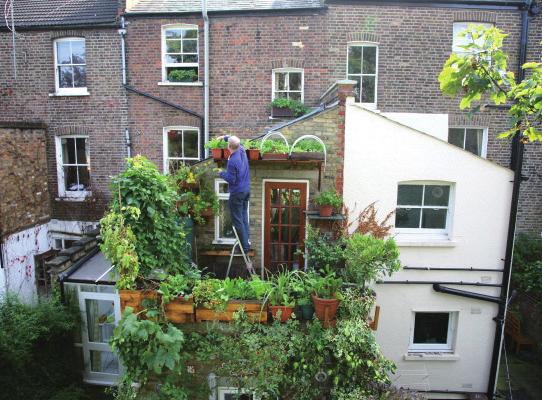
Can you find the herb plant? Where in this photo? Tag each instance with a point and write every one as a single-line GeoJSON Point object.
{"type": "Point", "coordinates": [274, 146]}
{"type": "Point", "coordinates": [309, 146]}
{"type": "Point", "coordinates": [216, 144]}
{"type": "Point", "coordinates": [328, 198]}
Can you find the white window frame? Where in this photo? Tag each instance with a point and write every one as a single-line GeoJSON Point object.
{"type": "Point", "coordinates": [460, 26]}
{"type": "Point", "coordinates": [428, 232]}
{"type": "Point", "coordinates": [287, 71]}
{"type": "Point", "coordinates": [165, 64]}
{"type": "Point", "coordinates": [62, 192]}
{"type": "Point", "coordinates": [465, 127]}
{"type": "Point", "coordinates": [62, 237]}
{"type": "Point", "coordinates": [447, 347]}
{"type": "Point", "coordinates": [221, 197]}
{"type": "Point", "coordinates": [166, 129]}
{"type": "Point", "coordinates": [79, 91]}
{"type": "Point", "coordinates": [365, 44]}
{"type": "Point", "coordinates": [223, 390]}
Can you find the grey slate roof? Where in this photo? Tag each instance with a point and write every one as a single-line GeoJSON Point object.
{"type": "Point", "coordinates": [49, 13]}
{"type": "Point", "coordinates": [190, 6]}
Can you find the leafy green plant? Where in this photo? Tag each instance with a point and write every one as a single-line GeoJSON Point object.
{"type": "Point", "coordinates": [209, 293]}
{"type": "Point", "coordinates": [119, 246]}
{"type": "Point", "coordinates": [527, 271]}
{"type": "Point", "coordinates": [325, 286]}
{"type": "Point", "coordinates": [322, 251]}
{"type": "Point", "coordinates": [328, 198]}
{"type": "Point", "coordinates": [147, 347]}
{"type": "Point", "coordinates": [309, 146]}
{"type": "Point", "coordinates": [274, 146]}
{"type": "Point", "coordinates": [250, 144]}
{"type": "Point", "coordinates": [180, 285]}
{"type": "Point", "coordinates": [216, 144]}
{"type": "Point", "coordinates": [182, 75]}
{"type": "Point", "coordinates": [281, 290]}
{"type": "Point", "coordinates": [184, 174]}
{"type": "Point", "coordinates": [369, 258]}
{"type": "Point", "coordinates": [295, 106]}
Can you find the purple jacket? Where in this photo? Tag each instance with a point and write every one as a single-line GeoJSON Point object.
{"type": "Point", "coordinates": [237, 173]}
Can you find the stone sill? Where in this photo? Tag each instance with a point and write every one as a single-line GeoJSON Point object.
{"type": "Point", "coordinates": [433, 356]}
{"type": "Point", "coordinates": [67, 94]}
{"type": "Point", "coordinates": [74, 199]}
{"type": "Point", "coordinates": [428, 243]}
{"type": "Point", "coordinates": [180, 83]}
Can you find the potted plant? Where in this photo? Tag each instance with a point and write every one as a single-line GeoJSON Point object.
{"type": "Point", "coordinates": [216, 146]}
{"type": "Point", "coordinates": [182, 75]}
{"type": "Point", "coordinates": [281, 297]}
{"type": "Point", "coordinates": [324, 298]}
{"type": "Point", "coordinates": [177, 302]}
{"type": "Point", "coordinates": [327, 201]}
{"type": "Point", "coordinates": [302, 290]}
{"type": "Point", "coordinates": [287, 108]}
{"type": "Point", "coordinates": [252, 148]}
{"type": "Point", "coordinates": [186, 178]}
{"type": "Point", "coordinates": [274, 150]}
{"type": "Point", "coordinates": [307, 149]}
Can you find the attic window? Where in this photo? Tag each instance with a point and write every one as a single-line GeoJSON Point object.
{"type": "Point", "coordinates": [180, 59]}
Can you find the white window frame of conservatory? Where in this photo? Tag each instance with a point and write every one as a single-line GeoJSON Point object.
{"type": "Point", "coordinates": [62, 192]}
{"type": "Point", "coordinates": [427, 234]}
{"type": "Point", "coordinates": [223, 390]}
{"type": "Point", "coordinates": [286, 70]}
{"type": "Point", "coordinates": [484, 137]}
{"type": "Point", "coordinates": [80, 91]}
{"type": "Point", "coordinates": [447, 347]}
{"type": "Point", "coordinates": [165, 145]}
{"type": "Point", "coordinates": [165, 64]}
{"type": "Point", "coordinates": [222, 197]}
{"type": "Point", "coordinates": [368, 44]}
{"type": "Point", "coordinates": [463, 26]}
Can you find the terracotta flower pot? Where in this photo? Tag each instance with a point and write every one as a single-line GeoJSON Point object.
{"type": "Point", "coordinates": [217, 154]}
{"type": "Point", "coordinates": [226, 153]}
{"type": "Point", "coordinates": [253, 154]}
{"type": "Point", "coordinates": [325, 309]}
{"type": "Point", "coordinates": [325, 211]}
{"type": "Point", "coordinates": [286, 312]}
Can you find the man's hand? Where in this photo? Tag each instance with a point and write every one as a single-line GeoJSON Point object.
{"type": "Point", "coordinates": [220, 137]}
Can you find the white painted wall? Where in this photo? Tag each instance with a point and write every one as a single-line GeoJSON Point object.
{"type": "Point", "coordinates": [433, 124]}
{"type": "Point", "coordinates": [379, 153]}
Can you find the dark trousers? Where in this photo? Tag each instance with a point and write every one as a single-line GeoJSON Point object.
{"type": "Point", "coordinates": [239, 216]}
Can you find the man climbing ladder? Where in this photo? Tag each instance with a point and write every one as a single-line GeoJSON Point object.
{"type": "Point", "coordinates": [237, 174]}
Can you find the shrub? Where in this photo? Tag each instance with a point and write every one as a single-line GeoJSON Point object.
{"type": "Point", "coordinates": [527, 267]}
{"type": "Point", "coordinates": [182, 75]}
{"type": "Point", "coordinates": [328, 198]}
{"type": "Point", "coordinates": [323, 253]}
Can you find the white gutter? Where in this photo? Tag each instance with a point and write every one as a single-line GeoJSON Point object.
{"type": "Point", "coordinates": [206, 72]}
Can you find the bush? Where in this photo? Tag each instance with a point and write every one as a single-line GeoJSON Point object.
{"type": "Point", "coordinates": [38, 359]}
{"type": "Point", "coordinates": [527, 267]}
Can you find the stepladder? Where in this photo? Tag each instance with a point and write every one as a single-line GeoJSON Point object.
{"type": "Point", "coordinates": [246, 258]}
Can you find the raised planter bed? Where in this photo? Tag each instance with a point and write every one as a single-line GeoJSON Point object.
{"type": "Point", "coordinates": [134, 298]}
{"type": "Point", "coordinates": [180, 311]}
{"type": "Point", "coordinates": [307, 156]}
{"type": "Point", "coordinates": [255, 310]}
{"type": "Point", "coordinates": [277, 112]}
{"type": "Point", "coordinates": [275, 156]}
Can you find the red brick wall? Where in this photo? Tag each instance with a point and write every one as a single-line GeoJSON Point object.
{"type": "Point", "coordinates": [102, 115]}
{"type": "Point", "coordinates": [24, 199]}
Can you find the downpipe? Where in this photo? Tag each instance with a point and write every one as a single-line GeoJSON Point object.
{"type": "Point", "coordinates": [122, 33]}
{"type": "Point", "coordinates": [206, 78]}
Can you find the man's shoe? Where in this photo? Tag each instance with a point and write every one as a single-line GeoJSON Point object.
{"type": "Point", "coordinates": [251, 269]}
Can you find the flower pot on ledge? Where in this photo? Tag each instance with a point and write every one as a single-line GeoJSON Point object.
{"type": "Point", "coordinates": [253, 154]}
{"type": "Point", "coordinates": [325, 211]}
{"type": "Point", "coordinates": [217, 154]}
{"type": "Point", "coordinates": [277, 112]}
{"type": "Point", "coordinates": [226, 153]}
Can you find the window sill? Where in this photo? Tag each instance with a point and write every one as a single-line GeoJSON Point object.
{"type": "Point", "coordinates": [431, 356]}
{"type": "Point", "coordinates": [75, 199]}
{"type": "Point", "coordinates": [180, 83]}
{"type": "Point", "coordinates": [425, 243]}
{"type": "Point", "coordinates": [67, 94]}
{"type": "Point", "coordinates": [224, 242]}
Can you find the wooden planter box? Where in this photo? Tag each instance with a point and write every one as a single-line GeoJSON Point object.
{"type": "Point", "coordinates": [307, 156]}
{"type": "Point", "coordinates": [254, 310]}
{"type": "Point", "coordinates": [282, 112]}
{"type": "Point", "coordinates": [180, 311]}
{"type": "Point", "coordinates": [275, 156]}
{"type": "Point", "coordinates": [134, 298]}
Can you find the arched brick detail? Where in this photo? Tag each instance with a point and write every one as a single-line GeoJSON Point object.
{"type": "Point", "coordinates": [363, 37]}
{"type": "Point", "coordinates": [182, 120]}
{"type": "Point", "coordinates": [288, 63]}
{"type": "Point", "coordinates": [66, 33]}
{"type": "Point", "coordinates": [464, 120]}
{"type": "Point", "coordinates": [71, 130]}
{"type": "Point", "coordinates": [475, 16]}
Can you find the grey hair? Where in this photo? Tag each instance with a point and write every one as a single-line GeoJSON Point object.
{"type": "Point", "coordinates": [234, 142]}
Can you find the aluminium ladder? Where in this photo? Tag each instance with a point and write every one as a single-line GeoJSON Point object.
{"type": "Point", "coordinates": [245, 256]}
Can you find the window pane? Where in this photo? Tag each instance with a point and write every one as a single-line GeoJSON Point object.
{"type": "Point", "coordinates": [190, 58]}
{"type": "Point", "coordinates": [274, 230]}
{"type": "Point", "coordinates": [231, 396]}
{"type": "Point", "coordinates": [173, 46]}
{"type": "Point", "coordinates": [81, 150]}
{"type": "Point", "coordinates": [473, 141]}
{"type": "Point", "coordinates": [104, 361]}
{"type": "Point", "coordinates": [434, 219]}
{"type": "Point", "coordinates": [295, 215]}
{"type": "Point", "coordinates": [295, 197]}
{"type": "Point", "coordinates": [280, 81]}
{"type": "Point", "coordinates": [407, 218]}
{"type": "Point", "coordinates": [225, 225]}
{"type": "Point", "coordinates": [294, 96]}
{"type": "Point", "coordinates": [70, 179]}
{"type": "Point", "coordinates": [79, 76]}
{"type": "Point", "coordinates": [369, 60]}
{"type": "Point", "coordinates": [174, 59]}
{"type": "Point", "coordinates": [456, 136]}
{"type": "Point", "coordinates": [222, 187]}
{"type": "Point", "coordinates": [295, 80]}
{"type": "Point", "coordinates": [78, 52]}
{"type": "Point", "coordinates": [357, 87]}
{"type": "Point", "coordinates": [431, 328]}
{"type": "Point", "coordinates": [68, 151]}
{"type": "Point", "coordinates": [354, 59]}
{"type": "Point", "coordinates": [190, 33]}
{"type": "Point", "coordinates": [409, 195]}
{"type": "Point", "coordinates": [174, 144]}
{"type": "Point", "coordinates": [436, 195]}
{"type": "Point", "coordinates": [275, 215]}
{"type": "Point", "coordinates": [63, 53]}
{"type": "Point", "coordinates": [190, 46]}
{"type": "Point", "coordinates": [368, 89]}
{"type": "Point", "coordinates": [174, 33]}
{"type": "Point", "coordinates": [65, 77]}
{"type": "Point", "coordinates": [84, 178]}
{"type": "Point", "coordinates": [98, 312]}
{"type": "Point", "coordinates": [191, 144]}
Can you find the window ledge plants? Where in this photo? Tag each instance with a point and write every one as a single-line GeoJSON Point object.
{"type": "Point", "coordinates": [287, 108]}
{"type": "Point", "coordinates": [327, 201]}
{"type": "Point", "coordinates": [198, 83]}
{"type": "Point", "coordinates": [307, 149]}
{"type": "Point", "coordinates": [274, 150]}
{"type": "Point", "coordinates": [217, 147]}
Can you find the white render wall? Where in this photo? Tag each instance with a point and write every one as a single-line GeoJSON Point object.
{"type": "Point", "coordinates": [433, 124]}
{"type": "Point", "coordinates": [380, 153]}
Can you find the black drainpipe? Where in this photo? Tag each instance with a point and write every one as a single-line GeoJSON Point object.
{"type": "Point", "coordinates": [516, 165]}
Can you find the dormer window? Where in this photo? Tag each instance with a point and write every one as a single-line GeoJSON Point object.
{"type": "Point", "coordinates": [180, 60]}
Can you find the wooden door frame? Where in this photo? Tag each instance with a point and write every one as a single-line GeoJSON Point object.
{"type": "Point", "coordinates": [277, 180]}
